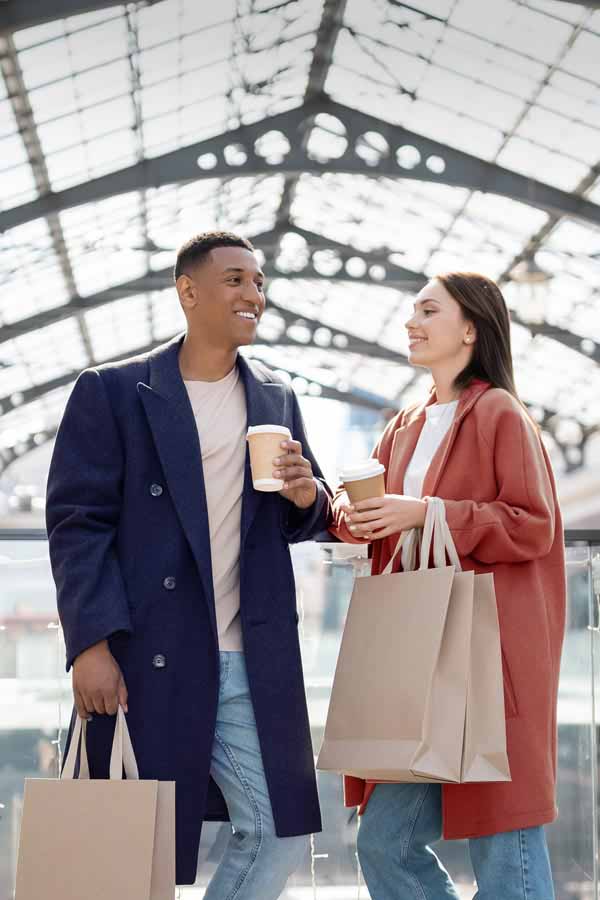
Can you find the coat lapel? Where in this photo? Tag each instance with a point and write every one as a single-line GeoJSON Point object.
{"type": "Point", "coordinates": [403, 446]}
{"type": "Point", "coordinates": [173, 427]}
{"type": "Point", "coordinates": [266, 404]}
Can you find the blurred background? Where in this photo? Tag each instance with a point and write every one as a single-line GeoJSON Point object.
{"type": "Point", "coordinates": [363, 146]}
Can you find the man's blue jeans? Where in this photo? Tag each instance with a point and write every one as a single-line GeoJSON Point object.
{"type": "Point", "coordinates": [256, 863]}
{"type": "Point", "coordinates": [401, 822]}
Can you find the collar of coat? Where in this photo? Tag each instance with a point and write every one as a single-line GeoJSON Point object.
{"type": "Point", "coordinates": [467, 400]}
{"type": "Point", "coordinates": [411, 422]}
{"type": "Point", "coordinates": [166, 379]}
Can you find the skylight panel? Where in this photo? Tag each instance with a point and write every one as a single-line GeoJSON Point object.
{"type": "Point", "coordinates": [120, 327]}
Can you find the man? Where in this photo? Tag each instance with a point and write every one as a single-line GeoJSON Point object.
{"type": "Point", "coordinates": [174, 578]}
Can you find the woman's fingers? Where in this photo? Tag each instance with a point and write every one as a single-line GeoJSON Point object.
{"type": "Point", "coordinates": [372, 515]}
{"type": "Point", "coordinates": [367, 527]}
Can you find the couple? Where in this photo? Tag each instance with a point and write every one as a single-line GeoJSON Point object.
{"type": "Point", "coordinates": [176, 590]}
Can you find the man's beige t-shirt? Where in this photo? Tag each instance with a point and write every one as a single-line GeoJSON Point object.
{"type": "Point", "coordinates": [220, 413]}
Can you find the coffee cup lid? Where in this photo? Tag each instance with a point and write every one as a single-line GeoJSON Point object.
{"type": "Point", "coordinates": [359, 471]}
{"type": "Point", "coordinates": [269, 429]}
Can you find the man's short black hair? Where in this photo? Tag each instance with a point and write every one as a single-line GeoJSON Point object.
{"type": "Point", "coordinates": [198, 248]}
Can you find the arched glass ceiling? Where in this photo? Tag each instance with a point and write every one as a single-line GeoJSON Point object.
{"type": "Point", "coordinates": [91, 96]}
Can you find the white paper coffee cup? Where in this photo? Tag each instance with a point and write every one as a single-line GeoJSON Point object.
{"type": "Point", "coordinates": [264, 442]}
{"type": "Point", "coordinates": [364, 480]}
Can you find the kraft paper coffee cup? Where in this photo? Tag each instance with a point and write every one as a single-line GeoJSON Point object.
{"type": "Point", "coordinates": [264, 442]}
{"type": "Point", "coordinates": [364, 481]}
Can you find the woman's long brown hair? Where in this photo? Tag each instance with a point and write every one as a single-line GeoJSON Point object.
{"type": "Point", "coordinates": [482, 303]}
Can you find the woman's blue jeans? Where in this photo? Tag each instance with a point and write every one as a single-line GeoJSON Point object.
{"type": "Point", "coordinates": [401, 822]}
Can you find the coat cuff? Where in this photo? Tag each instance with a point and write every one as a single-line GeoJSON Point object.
{"type": "Point", "coordinates": [302, 524]}
{"type": "Point", "coordinates": [90, 636]}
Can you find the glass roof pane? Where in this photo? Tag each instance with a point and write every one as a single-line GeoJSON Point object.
{"type": "Point", "coordinates": [119, 328]}
{"type": "Point", "coordinates": [31, 279]}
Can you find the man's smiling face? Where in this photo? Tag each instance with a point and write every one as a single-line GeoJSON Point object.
{"type": "Point", "coordinates": [223, 297]}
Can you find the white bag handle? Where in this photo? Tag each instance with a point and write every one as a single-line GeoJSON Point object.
{"type": "Point", "coordinates": [121, 757]}
{"type": "Point", "coordinates": [436, 528]}
{"type": "Point", "coordinates": [443, 543]}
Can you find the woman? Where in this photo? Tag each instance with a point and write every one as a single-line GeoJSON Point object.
{"type": "Point", "coordinates": [473, 445]}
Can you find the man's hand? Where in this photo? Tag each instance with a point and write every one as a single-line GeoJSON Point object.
{"type": "Point", "coordinates": [382, 516]}
{"type": "Point", "coordinates": [98, 685]}
{"type": "Point", "coordinates": [299, 486]}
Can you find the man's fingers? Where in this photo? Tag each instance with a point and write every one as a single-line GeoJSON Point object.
{"type": "Point", "coordinates": [80, 706]}
{"type": "Point", "coordinates": [292, 446]}
{"type": "Point", "coordinates": [290, 459]}
{"type": "Point", "coordinates": [111, 704]}
{"type": "Point", "coordinates": [98, 701]}
{"type": "Point", "coordinates": [294, 472]}
{"type": "Point", "coordinates": [122, 695]}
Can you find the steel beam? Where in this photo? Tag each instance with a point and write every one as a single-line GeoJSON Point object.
{"type": "Point", "coordinates": [18, 14]}
{"type": "Point", "coordinates": [459, 169]}
{"type": "Point", "coordinates": [356, 396]}
{"type": "Point", "coordinates": [20, 399]}
{"type": "Point", "coordinates": [591, 4]}
{"type": "Point", "coordinates": [394, 276]}
{"type": "Point", "coordinates": [8, 455]}
{"type": "Point", "coordinates": [352, 344]}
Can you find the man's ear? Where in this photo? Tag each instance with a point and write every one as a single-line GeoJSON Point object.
{"type": "Point", "coordinates": [186, 291]}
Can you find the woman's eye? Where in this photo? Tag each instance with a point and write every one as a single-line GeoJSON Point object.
{"type": "Point", "coordinates": [427, 311]}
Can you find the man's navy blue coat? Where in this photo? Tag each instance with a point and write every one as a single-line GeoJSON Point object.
{"type": "Point", "coordinates": [130, 551]}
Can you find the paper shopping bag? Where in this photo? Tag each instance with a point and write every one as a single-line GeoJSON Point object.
{"type": "Point", "coordinates": [417, 693]}
{"type": "Point", "coordinates": [403, 661]}
{"type": "Point", "coordinates": [95, 839]}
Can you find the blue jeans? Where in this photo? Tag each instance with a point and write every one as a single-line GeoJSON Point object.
{"type": "Point", "coordinates": [256, 863]}
{"type": "Point", "coordinates": [400, 823]}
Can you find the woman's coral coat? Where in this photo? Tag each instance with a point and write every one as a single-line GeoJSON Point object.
{"type": "Point", "coordinates": [494, 476]}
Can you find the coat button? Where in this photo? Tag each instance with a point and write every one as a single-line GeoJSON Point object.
{"type": "Point", "coordinates": [169, 583]}
{"type": "Point", "coordinates": [159, 661]}
{"type": "Point", "coordinates": [156, 490]}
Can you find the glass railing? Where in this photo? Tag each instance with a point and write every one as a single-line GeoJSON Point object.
{"type": "Point", "coordinates": [35, 705]}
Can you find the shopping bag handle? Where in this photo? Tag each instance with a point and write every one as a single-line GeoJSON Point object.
{"type": "Point", "coordinates": [435, 528]}
{"type": "Point", "coordinates": [121, 757]}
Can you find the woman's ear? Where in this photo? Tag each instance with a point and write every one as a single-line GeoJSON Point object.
{"type": "Point", "coordinates": [471, 334]}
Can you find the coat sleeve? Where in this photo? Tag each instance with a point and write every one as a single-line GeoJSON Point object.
{"type": "Point", "coordinates": [381, 452]}
{"type": "Point", "coordinates": [303, 524]}
{"type": "Point", "coordinates": [519, 525]}
{"type": "Point", "coordinates": [83, 506]}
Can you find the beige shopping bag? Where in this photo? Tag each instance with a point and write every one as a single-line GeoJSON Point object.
{"type": "Point", "coordinates": [402, 632]}
{"type": "Point", "coordinates": [484, 753]}
{"type": "Point", "coordinates": [485, 756]}
{"type": "Point", "coordinates": [97, 839]}
{"type": "Point", "coordinates": [399, 702]}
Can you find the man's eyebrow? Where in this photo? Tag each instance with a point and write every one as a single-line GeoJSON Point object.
{"type": "Point", "coordinates": [239, 269]}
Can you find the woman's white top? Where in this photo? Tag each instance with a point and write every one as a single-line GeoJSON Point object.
{"type": "Point", "coordinates": [438, 420]}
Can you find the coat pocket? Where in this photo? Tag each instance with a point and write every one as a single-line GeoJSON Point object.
{"type": "Point", "coordinates": [511, 709]}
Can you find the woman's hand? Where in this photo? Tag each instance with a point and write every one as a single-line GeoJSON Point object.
{"type": "Point", "coordinates": [382, 516]}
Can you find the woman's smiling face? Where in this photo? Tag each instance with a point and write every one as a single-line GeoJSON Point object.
{"type": "Point", "coordinates": [438, 332]}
